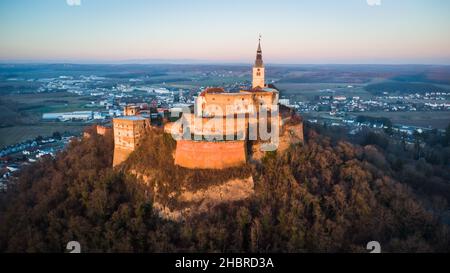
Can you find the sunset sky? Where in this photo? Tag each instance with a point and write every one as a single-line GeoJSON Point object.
{"type": "Point", "coordinates": [300, 31]}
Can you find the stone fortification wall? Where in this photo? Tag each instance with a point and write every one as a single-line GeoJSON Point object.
{"type": "Point", "coordinates": [210, 155]}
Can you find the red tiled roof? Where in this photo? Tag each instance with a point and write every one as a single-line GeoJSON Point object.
{"type": "Point", "coordinates": [212, 90]}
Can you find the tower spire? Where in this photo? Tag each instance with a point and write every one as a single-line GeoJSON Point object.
{"type": "Point", "coordinates": [259, 43]}
{"type": "Point", "coordinates": [259, 61]}
{"type": "Point", "coordinates": [258, 68]}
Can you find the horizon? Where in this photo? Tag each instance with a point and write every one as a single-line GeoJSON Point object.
{"type": "Point", "coordinates": [204, 62]}
{"type": "Point", "coordinates": [362, 32]}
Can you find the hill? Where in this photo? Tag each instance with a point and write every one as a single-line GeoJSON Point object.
{"type": "Point", "coordinates": [324, 196]}
{"type": "Point", "coordinates": [403, 88]}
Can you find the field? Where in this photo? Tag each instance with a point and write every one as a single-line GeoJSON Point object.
{"type": "Point", "coordinates": [39, 103]}
{"type": "Point", "coordinates": [308, 91]}
{"type": "Point", "coordinates": [16, 134]}
{"type": "Point", "coordinates": [438, 120]}
{"type": "Point", "coordinates": [20, 117]}
{"type": "Point", "coordinates": [405, 88]}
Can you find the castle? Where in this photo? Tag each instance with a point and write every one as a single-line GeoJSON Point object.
{"type": "Point", "coordinates": [217, 133]}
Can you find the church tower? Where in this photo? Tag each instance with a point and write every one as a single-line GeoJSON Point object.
{"type": "Point", "coordinates": [258, 69]}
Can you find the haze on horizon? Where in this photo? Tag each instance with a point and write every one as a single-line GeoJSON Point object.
{"type": "Point", "coordinates": [294, 31]}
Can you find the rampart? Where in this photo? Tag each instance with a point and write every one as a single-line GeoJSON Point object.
{"type": "Point", "coordinates": [210, 155]}
{"type": "Point", "coordinates": [102, 130]}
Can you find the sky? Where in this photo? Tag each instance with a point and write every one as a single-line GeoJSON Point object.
{"type": "Point", "coordinates": [293, 31]}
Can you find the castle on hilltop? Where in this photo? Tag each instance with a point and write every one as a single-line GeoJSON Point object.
{"type": "Point", "coordinates": [225, 129]}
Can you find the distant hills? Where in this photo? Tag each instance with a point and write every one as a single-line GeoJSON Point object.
{"type": "Point", "coordinates": [301, 73]}
{"type": "Point", "coordinates": [404, 88]}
